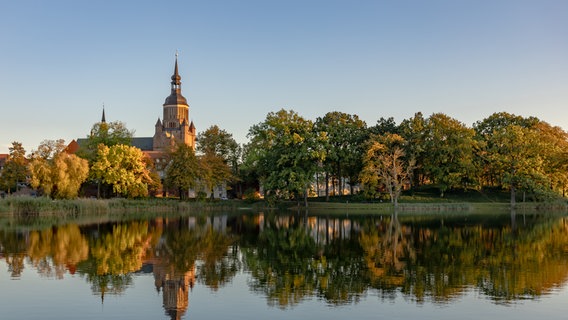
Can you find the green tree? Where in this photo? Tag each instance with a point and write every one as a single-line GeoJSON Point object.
{"type": "Point", "coordinates": [285, 151]}
{"type": "Point", "coordinates": [413, 130]}
{"type": "Point", "coordinates": [218, 142]}
{"type": "Point", "coordinates": [490, 174]}
{"type": "Point", "coordinates": [448, 161]}
{"type": "Point", "coordinates": [57, 173]}
{"type": "Point", "coordinates": [108, 134]}
{"type": "Point", "coordinates": [124, 168]}
{"type": "Point", "coordinates": [555, 152]}
{"type": "Point", "coordinates": [385, 163]}
{"type": "Point", "coordinates": [516, 152]}
{"type": "Point", "coordinates": [345, 134]}
{"type": "Point", "coordinates": [15, 170]}
{"type": "Point", "coordinates": [213, 172]}
{"type": "Point", "coordinates": [182, 171]}
{"type": "Point", "coordinates": [219, 157]}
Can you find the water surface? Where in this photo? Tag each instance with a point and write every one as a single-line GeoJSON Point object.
{"type": "Point", "coordinates": [283, 266]}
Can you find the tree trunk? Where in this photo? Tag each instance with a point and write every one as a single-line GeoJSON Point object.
{"type": "Point", "coordinates": [513, 196]}
{"type": "Point", "coordinates": [326, 186]}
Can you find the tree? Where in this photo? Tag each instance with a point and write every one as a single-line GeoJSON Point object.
{"type": "Point", "coordinates": [58, 174]}
{"type": "Point", "coordinates": [522, 154]}
{"type": "Point", "coordinates": [219, 157]}
{"type": "Point", "coordinates": [15, 170]}
{"type": "Point", "coordinates": [490, 174]}
{"type": "Point", "coordinates": [555, 153]}
{"type": "Point", "coordinates": [182, 171]}
{"type": "Point", "coordinates": [516, 153]}
{"type": "Point", "coordinates": [448, 161]}
{"type": "Point", "coordinates": [213, 171]}
{"type": "Point", "coordinates": [124, 168]}
{"type": "Point", "coordinates": [219, 142]}
{"type": "Point", "coordinates": [345, 134]}
{"type": "Point", "coordinates": [385, 163]}
{"type": "Point", "coordinates": [413, 130]}
{"type": "Point", "coordinates": [285, 151]}
{"type": "Point", "coordinates": [108, 134]}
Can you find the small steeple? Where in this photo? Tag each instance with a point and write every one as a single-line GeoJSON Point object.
{"type": "Point", "coordinates": [103, 120]}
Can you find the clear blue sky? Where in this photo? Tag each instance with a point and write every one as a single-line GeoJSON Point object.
{"type": "Point", "coordinates": [61, 60]}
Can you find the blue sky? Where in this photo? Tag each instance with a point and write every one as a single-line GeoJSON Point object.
{"type": "Point", "coordinates": [61, 60]}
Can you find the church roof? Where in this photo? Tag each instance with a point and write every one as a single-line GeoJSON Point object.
{"type": "Point", "coordinates": [175, 97]}
{"type": "Point", "coordinates": [143, 143]}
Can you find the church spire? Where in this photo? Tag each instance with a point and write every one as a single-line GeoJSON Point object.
{"type": "Point", "coordinates": [176, 79]}
{"type": "Point", "coordinates": [103, 120]}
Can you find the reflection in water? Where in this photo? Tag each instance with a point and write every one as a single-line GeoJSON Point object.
{"type": "Point", "coordinates": [291, 258]}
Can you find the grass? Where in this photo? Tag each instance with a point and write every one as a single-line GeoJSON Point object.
{"type": "Point", "coordinates": [25, 206]}
{"type": "Point", "coordinates": [426, 200]}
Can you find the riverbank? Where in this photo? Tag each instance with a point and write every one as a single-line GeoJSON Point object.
{"type": "Point", "coordinates": [36, 207]}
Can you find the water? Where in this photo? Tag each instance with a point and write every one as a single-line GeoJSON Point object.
{"type": "Point", "coordinates": [284, 266]}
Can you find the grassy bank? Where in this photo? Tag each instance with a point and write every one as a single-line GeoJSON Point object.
{"type": "Point", "coordinates": [45, 207]}
{"type": "Point", "coordinates": [35, 207]}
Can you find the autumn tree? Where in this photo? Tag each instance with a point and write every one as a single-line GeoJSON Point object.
{"type": "Point", "coordinates": [285, 151]}
{"type": "Point", "coordinates": [57, 173]}
{"type": "Point", "coordinates": [386, 164]}
{"type": "Point", "coordinates": [124, 168]}
{"type": "Point", "coordinates": [15, 170]}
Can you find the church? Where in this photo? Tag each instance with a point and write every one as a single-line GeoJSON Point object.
{"type": "Point", "coordinates": [175, 125]}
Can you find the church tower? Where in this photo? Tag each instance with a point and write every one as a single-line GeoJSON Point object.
{"type": "Point", "coordinates": [175, 127]}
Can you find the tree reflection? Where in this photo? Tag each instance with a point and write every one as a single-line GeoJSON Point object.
{"type": "Point", "coordinates": [13, 248]}
{"type": "Point", "coordinates": [288, 266]}
{"type": "Point", "coordinates": [114, 255]}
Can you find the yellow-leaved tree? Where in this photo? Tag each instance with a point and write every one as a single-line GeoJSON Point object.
{"type": "Point", "coordinates": [57, 173]}
{"type": "Point", "coordinates": [124, 168]}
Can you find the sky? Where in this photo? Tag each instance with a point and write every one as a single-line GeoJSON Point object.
{"type": "Point", "coordinates": [61, 61]}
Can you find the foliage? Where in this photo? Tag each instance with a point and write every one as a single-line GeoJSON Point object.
{"type": "Point", "coordinates": [182, 171]}
{"type": "Point", "coordinates": [216, 141]}
{"type": "Point", "coordinates": [108, 134]}
{"type": "Point", "coordinates": [285, 151]}
{"type": "Point", "coordinates": [448, 162]}
{"type": "Point", "coordinates": [213, 171]}
{"type": "Point", "coordinates": [55, 172]}
{"type": "Point", "coordinates": [385, 163]}
{"type": "Point", "coordinates": [15, 170]}
{"type": "Point", "coordinates": [345, 135]}
{"type": "Point", "coordinates": [124, 168]}
{"type": "Point", "coordinates": [218, 159]}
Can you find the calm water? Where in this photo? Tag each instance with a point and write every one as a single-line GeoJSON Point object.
{"type": "Point", "coordinates": [287, 266]}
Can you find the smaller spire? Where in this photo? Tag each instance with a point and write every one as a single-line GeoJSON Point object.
{"type": "Point", "coordinates": [103, 120]}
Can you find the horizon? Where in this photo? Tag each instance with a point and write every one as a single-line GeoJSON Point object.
{"type": "Point", "coordinates": [239, 61]}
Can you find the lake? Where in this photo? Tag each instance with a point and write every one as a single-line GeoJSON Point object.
{"type": "Point", "coordinates": [285, 265]}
